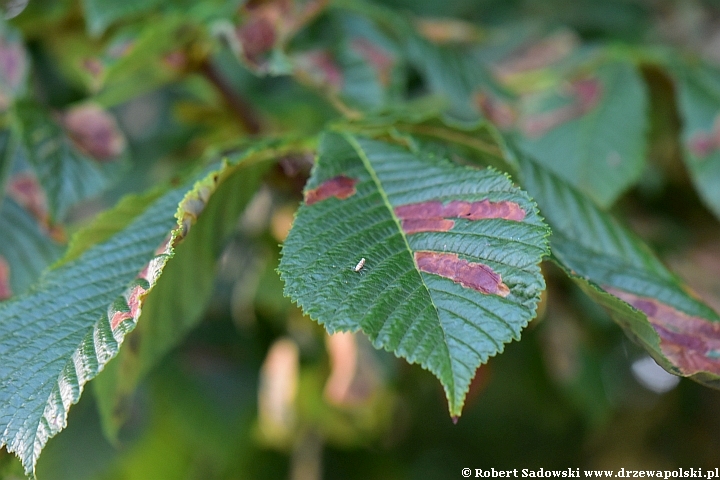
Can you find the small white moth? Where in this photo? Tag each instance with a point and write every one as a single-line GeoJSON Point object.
{"type": "Point", "coordinates": [360, 265]}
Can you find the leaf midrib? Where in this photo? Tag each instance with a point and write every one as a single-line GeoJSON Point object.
{"type": "Point", "coordinates": [371, 171]}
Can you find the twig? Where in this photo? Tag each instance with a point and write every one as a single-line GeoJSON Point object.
{"type": "Point", "coordinates": [240, 107]}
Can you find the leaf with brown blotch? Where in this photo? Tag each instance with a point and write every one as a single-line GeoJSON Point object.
{"type": "Point", "coordinates": [691, 343]}
{"type": "Point", "coordinates": [75, 155]}
{"type": "Point", "coordinates": [432, 261]}
{"type": "Point", "coordinates": [619, 271]}
{"type": "Point", "coordinates": [698, 88]}
{"type": "Point", "coordinates": [94, 132]}
{"type": "Point", "coordinates": [76, 316]}
{"type": "Point", "coordinates": [590, 130]}
{"type": "Point", "coordinates": [14, 65]}
{"type": "Point", "coordinates": [5, 290]}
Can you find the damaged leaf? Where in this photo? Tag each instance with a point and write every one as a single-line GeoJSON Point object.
{"type": "Point", "coordinates": [75, 318]}
{"type": "Point", "coordinates": [699, 105]}
{"type": "Point", "coordinates": [180, 296]}
{"type": "Point", "coordinates": [14, 65]}
{"type": "Point", "coordinates": [590, 131]}
{"type": "Point", "coordinates": [75, 157]}
{"type": "Point", "coordinates": [450, 272]}
{"type": "Point", "coordinates": [622, 274]}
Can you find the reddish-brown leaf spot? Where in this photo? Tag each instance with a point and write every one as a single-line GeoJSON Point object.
{"type": "Point", "coordinates": [378, 58]}
{"type": "Point", "coordinates": [433, 216]}
{"type": "Point", "coordinates": [538, 54]}
{"type": "Point", "coordinates": [691, 343]}
{"type": "Point", "coordinates": [449, 31]}
{"type": "Point", "coordinates": [587, 93]}
{"type": "Point", "coordinates": [25, 189]}
{"type": "Point", "coordinates": [468, 274]}
{"type": "Point", "coordinates": [702, 144]}
{"type": "Point", "coordinates": [340, 187]}
{"type": "Point", "coordinates": [94, 132]}
{"type": "Point", "coordinates": [5, 291]}
{"type": "Point", "coordinates": [584, 96]}
{"type": "Point", "coordinates": [176, 60]}
{"type": "Point", "coordinates": [256, 36]}
{"type": "Point", "coordinates": [319, 67]}
{"type": "Point", "coordinates": [13, 64]}
{"type": "Point", "coordinates": [93, 66]}
{"type": "Point", "coordinates": [133, 304]}
{"type": "Point", "coordinates": [415, 225]}
{"type": "Point", "coordinates": [497, 111]}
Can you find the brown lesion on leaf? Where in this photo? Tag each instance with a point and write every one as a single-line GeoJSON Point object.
{"type": "Point", "coordinates": [24, 188]}
{"type": "Point", "coordinates": [381, 60]}
{"type": "Point", "coordinates": [495, 109]}
{"type": "Point", "coordinates": [13, 68]}
{"type": "Point", "coordinates": [5, 290]}
{"type": "Point", "coordinates": [134, 299]}
{"type": "Point", "coordinates": [94, 132]}
{"type": "Point", "coordinates": [473, 275]}
{"type": "Point", "coordinates": [583, 96]}
{"type": "Point", "coordinates": [319, 68]}
{"type": "Point", "coordinates": [536, 55]}
{"type": "Point", "coordinates": [268, 24]}
{"type": "Point", "coordinates": [146, 279]}
{"type": "Point", "coordinates": [446, 30]}
{"type": "Point", "coordinates": [703, 143]}
{"type": "Point", "coordinates": [435, 216]}
{"type": "Point", "coordinates": [340, 187]}
{"type": "Point", "coordinates": [691, 343]}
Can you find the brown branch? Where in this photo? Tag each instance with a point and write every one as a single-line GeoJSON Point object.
{"type": "Point", "coordinates": [244, 112]}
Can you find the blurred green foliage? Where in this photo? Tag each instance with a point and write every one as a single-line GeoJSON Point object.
{"type": "Point", "coordinates": [568, 395]}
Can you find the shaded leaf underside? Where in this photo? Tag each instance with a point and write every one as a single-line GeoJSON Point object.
{"type": "Point", "coordinates": [450, 256]}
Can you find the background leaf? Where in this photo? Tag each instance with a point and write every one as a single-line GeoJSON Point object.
{"type": "Point", "coordinates": [74, 320]}
{"type": "Point", "coordinates": [590, 132]}
{"type": "Point", "coordinates": [100, 14]}
{"type": "Point", "coordinates": [182, 292]}
{"type": "Point", "coordinates": [438, 286]}
{"type": "Point", "coordinates": [24, 245]}
{"type": "Point", "coordinates": [14, 65]}
{"type": "Point", "coordinates": [67, 174]}
{"type": "Point", "coordinates": [680, 332]}
{"type": "Point", "coordinates": [699, 105]}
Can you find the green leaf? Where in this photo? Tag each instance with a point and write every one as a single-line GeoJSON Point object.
{"type": "Point", "coordinates": [12, 8]}
{"type": "Point", "coordinates": [451, 72]}
{"type": "Point", "coordinates": [71, 323]}
{"type": "Point", "coordinates": [180, 295]}
{"type": "Point", "coordinates": [14, 65]}
{"type": "Point", "coordinates": [71, 170]}
{"type": "Point", "coordinates": [7, 156]}
{"type": "Point", "coordinates": [100, 14]}
{"type": "Point", "coordinates": [611, 264]}
{"type": "Point", "coordinates": [24, 246]}
{"type": "Point", "coordinates": [592, 131]}
{"type": "Point", "coordinates": [450, 256]}
{"type": "Point", "coordinates": [699, 105]}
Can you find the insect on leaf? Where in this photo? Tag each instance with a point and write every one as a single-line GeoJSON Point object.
{"type": "Point", "coordinates": [450, 255]}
